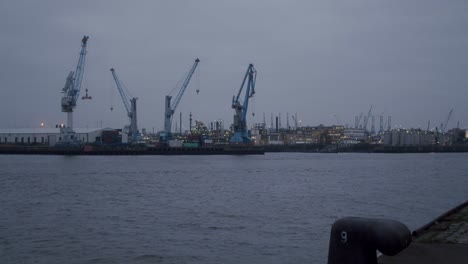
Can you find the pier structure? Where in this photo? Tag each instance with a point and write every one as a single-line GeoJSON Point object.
{"type": "Point", "coordinates": [355, 240]}
{"type": "Point", "coordinates": [443, 240]}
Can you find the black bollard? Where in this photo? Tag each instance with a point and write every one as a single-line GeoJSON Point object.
{"type": "Point", "coordinates": [354, 240]}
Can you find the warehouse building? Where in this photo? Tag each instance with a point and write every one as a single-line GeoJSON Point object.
{"type": "Point", "coordinates": [47, 136]}
{"type": "Point", "coordinates": [417, 137]}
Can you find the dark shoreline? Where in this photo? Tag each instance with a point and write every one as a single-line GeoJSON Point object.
{"type": "Point", "coordinates": [228, 149]}
{"type": "Point", "coordinates": [365, 148]}
{"type": "Point", "coordinates": [25, 150]}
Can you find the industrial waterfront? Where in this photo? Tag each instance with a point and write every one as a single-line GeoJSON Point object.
{"type": "Point", "coordinates": [276, 208]}
{"type": "Point", "coordinates": [190, 132]}
{"type": "Point", "coordinates": [216, 136]}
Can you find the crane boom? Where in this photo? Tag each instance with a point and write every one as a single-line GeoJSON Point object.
{"type": "Point", "coordinates": [122, 93]}
{"type": "Point", "coordinates": [130, 106]}
{"type": "Point", "coordinates": [447, 120]}
{"type": "Point", "coordinates": [240, 117]}
{"type": "Point", "coordinates": [184, 85]}
{"type": "Point", "coordinates": [366, 118]}
{"type": "Point", "coordinates": [79, 72]}
{"type": "Point", "coordinates": [169, 109]}
{"type": "Point", "coordinates": [294, 117]}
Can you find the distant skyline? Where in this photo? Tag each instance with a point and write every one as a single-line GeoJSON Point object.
{"type": "Point", "coordinates": [326, 60]}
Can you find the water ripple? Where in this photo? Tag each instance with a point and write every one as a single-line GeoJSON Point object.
{"type": "Point", "coordinates": [276, 208]}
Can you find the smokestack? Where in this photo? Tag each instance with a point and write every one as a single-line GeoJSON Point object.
{"type": "Point", "coordinates": [279, 118]}
{"type": "Point", "coordinates": [190, 122]}
{"type": "Point", "coordinates": [277, 130]}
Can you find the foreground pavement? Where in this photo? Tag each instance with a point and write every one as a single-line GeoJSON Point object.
{"type": "Point", "coordinates": [444, 240]}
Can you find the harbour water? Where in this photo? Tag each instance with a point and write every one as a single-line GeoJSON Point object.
{"type": "Point", "coordinates": [276, 208]}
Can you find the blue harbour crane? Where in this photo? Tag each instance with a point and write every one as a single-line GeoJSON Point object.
{"type": "Point", "coordinates": [130, 106]}
{"type": "Point", "coordinates": [241, 134]}
{"type": "Point", "coordinates": [169, 108]}
{"type": "Point", "coordinates": [71, 91]}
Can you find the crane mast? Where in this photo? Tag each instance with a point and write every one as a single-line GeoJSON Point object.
{"type": "Point", "coordinates": [130, 106]}
{"type": "Point", "coordinates": [71, 91]}
{"type": "Point", "coordinates": [240, 117]}
{"type": "Point", "coordinates": [169, 109]}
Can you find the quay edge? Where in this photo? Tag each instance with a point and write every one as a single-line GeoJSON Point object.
{"type": "Point", "coordinates": [443, 240]}
{"type": "Point", "coordinates": [224, 150]}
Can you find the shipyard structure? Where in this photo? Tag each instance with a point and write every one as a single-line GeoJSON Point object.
{"type": "Point", "coordinates": [66, 139]}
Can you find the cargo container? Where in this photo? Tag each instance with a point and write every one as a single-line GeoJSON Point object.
{"type": "Point", "coordinates": [111, 137]}
{"type": "Point", "coordinates": [191, 145]}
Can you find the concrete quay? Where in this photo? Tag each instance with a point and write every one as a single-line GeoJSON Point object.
{"type": "Point", "coordinates": [444, 240]}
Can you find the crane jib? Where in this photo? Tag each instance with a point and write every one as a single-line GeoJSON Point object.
{"type": "Point", "coordinates": [74, 79]}
{"type": "Point", "coordinates": [169, 108]}
{"type": "Point", "coordinates": [184, 85]}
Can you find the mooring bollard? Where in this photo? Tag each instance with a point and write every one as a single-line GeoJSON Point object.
{"type": "Point", "coordinates": [354, 240]}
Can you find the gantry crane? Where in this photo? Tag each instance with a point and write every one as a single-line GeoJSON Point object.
{"type": "Point", "coordinates": [169, 108]}
{"type": "Point", "coordinates": [130, 106]}
{"type": "Point", "coordinates": [71, 91]}
{"type": "Point", "coordinates": [240, 118]}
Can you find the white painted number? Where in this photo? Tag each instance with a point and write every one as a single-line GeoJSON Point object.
{"type": "Point", "coordinates": [344, 237]}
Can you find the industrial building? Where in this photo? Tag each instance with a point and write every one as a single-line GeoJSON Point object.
{"type": "Point", "coordinates": [303, 135]}
{"type": "Point", "coordinates": [354, 135]}
{"type": "Point", "coordinates": [47, 136]}
{"type": "Point", "coordinates": [418, 137]}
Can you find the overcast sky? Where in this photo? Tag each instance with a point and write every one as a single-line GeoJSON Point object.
{"type": "Point", "coordinates": [326, 60]}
